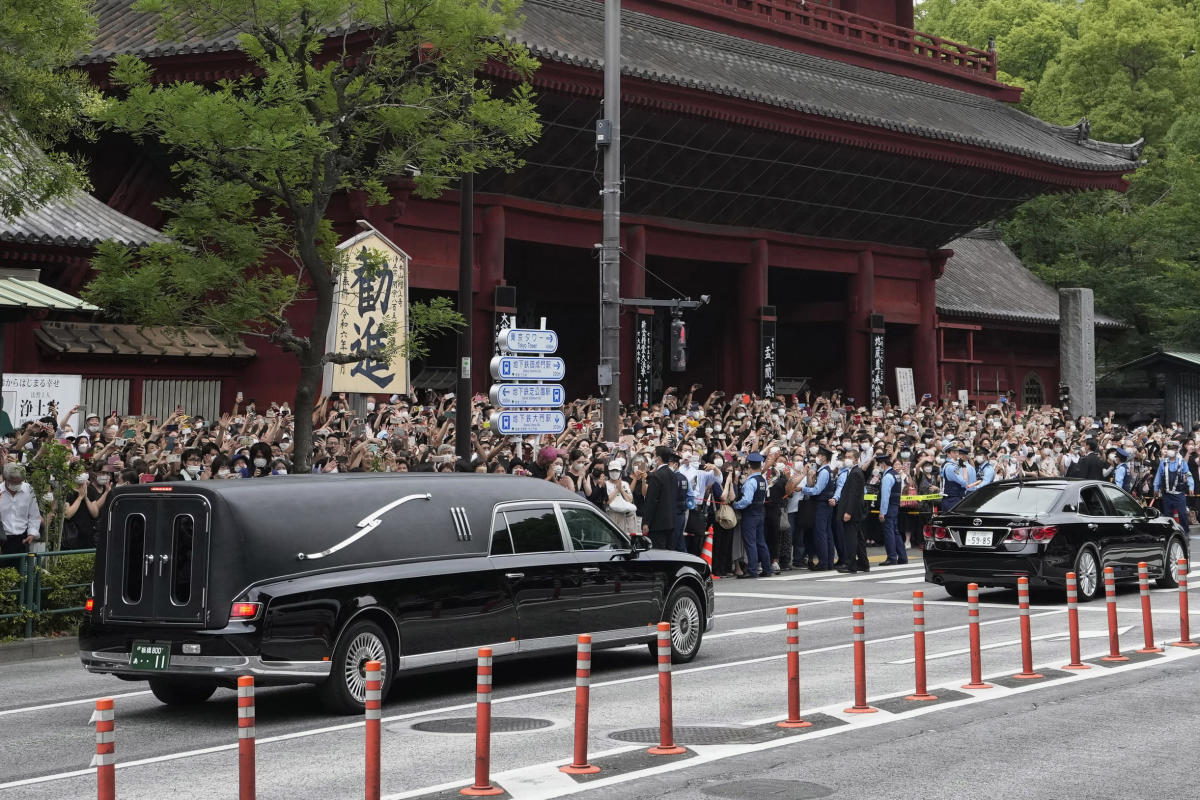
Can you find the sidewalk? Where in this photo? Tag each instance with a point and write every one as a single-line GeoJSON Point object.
{"type": "Point", "coordinates": [33, 649]}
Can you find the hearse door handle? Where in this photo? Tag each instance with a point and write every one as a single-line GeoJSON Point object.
{"type": "Point", "coordinates": [149, 561]}
{"type": "Point", "coordinates": [1092, 526]}
{"type": "Point", "coordinates": [591, 569]}
{"type": "Point", "coordinates": [162, 560]}
{"type": "Point", "coordinates": [514, 576]}
{"type": "Point", "coordinates": [1128, 526]}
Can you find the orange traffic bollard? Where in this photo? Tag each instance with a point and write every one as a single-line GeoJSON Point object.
{"type": "Point", "coordinates": [1073, 622]}
{"type": "Point", "coordinates": [794, 719]}
{"type": "Point", "coordinates": [1114, 636]}
{"type": "Point", "coordinates": [666, 724]}
{"type": "Point", "coordinates": [1184, 624]}
{"type": "Point", "coordinates": [1147, 619]}
{"type": "Point", "coordinates": [973, 635]}
{"type": "Point", "coordinates": [483, 729]}
{"type": "Point", "coordinates": [706, 552]}
{"type": "Point", "coordinates": [583, 682]}
{"type": "Point", "coordinates": [105, 759]}
{"type": "Point", "coordinates": [373, 721]}
{"type": "Point", "coordinates": [859, 615]}
{"type": "Point", "coordinates": [245, 718]}
{"type": "Point", "coordinates": [919, 648]}
{"type": "Point", "coordinates": [1026, 672]}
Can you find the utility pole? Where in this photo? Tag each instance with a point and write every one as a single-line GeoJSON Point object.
{"type": "Point", "coordinates": [466, 307]}
{"type": "Point", "coordinates": [608, 136]}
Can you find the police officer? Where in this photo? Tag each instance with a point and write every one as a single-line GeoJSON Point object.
{"type": "Point", "coordinates": [1122, 474]}
{"type": "Point", "coordinates": [985, 473]}
{"type": "Point", "coordinates": [852, 511]}
{"type": "Point", "coordinates": [839, 540]}
{"type": "Point", "coordinates": [683, 503]}
{"type": "Point", "coordinates": [957, 475]}
{"type": "Point", "coordinates": [890, 488]}
{"type": "Point", "coordinates": [1169, 482]}
{"type": "Point", "coordinates": [752, 504]}
{"type": "Point", "coordinates": [821, 492]}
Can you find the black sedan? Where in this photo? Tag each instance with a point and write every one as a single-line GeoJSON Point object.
{"type": "Point", "coordinates": [1043, 529]}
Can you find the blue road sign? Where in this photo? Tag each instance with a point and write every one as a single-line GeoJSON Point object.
{"type": "Point", "coordinates": [522, 395]}
{"type": "Point", "coordinates": [512, 368]}
{"type": "Point", "coordinates": [525, 340]}
{"type": "Point", "coordinates": [519, 423]}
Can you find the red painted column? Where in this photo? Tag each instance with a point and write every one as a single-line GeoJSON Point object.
{"type": "Point", "coordinates": [752, 296]}
{"type": "Point", "coordinates": [861, 303]}
{"type": "Point", "coordinates": [489, 273]}
{"type": "Point", "coordinates": [633, 284]}
{"type": "Point", "coordinates": [925, 342]}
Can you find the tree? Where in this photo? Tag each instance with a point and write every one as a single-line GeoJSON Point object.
{"type": "Point", "coordinates": [339, 95]}
{"type": "Point", "coordinates": [1130, 66]}
{"type": "Point", "coordinates": [42, 100]}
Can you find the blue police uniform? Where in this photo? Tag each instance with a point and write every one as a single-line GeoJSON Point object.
{"type": "Point", "coordinates": [838, 545]}
{"type": "Point", "coordinates": [752, 504]}
{"type": "Point", "coordinates": [1170, 480]}
{"type": "Point", "coordinates": [954, 486]}
{"type": "Point", "coordinates": [822, 492]}
{"type": "Point", "coordinates": [889, 512]}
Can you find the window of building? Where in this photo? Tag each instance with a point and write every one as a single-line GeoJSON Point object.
{"type": "Point", "coordinates": [1033, 394]}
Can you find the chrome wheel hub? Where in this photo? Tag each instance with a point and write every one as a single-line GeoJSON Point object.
{"type": "Point", "coordinates": [685, 624]}
{"type": "Point", "coordinates": [365, 647]}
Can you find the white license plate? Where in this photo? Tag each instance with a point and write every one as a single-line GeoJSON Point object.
{"type": "Point", "coordinates": [979, 538]}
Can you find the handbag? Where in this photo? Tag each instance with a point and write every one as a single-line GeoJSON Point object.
{"type": "Point", "coordinates": [621, 505]}
{"type": "Point", "coordinates": [785, 521]}
{"type": "Point", "coordinates": [726, 517]}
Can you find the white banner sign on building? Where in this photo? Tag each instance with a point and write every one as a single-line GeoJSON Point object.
{"type": "Point", "coordinates": [906, 393]}
{"type": "Point", "coordinates": [31, 397]}
{"type": "Point", "coordinates": [367, 302]}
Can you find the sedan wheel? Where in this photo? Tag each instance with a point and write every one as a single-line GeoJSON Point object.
{"type": "Point", "coordinates": [1087, 574]}
{"type": "Point", "coordinates": [345, 691]}
{"type": "Point", "coordinates": [1175, 552]}
{"type": "Point", "coordinates": [684, 612]}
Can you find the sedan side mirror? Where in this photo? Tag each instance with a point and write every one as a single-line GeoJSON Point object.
{"type": "Point", "coordinates": [1152, 512]}
{"type": "Point", "coordinates": [640, 545]}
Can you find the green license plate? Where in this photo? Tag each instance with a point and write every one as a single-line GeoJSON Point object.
{"type": "Point", "coordinates": [150, 656]}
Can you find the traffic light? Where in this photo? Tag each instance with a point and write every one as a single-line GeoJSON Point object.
{"type": "Point", "coordinates": [1064, 397]}
{"type": "Point", "coordinates": [678, 345]}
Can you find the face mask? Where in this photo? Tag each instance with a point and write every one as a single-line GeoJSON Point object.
{"type": "Point", "coordinates": [101, 480]}
{"type": "Point", "coordinates": [978, 459]}
{"type": "Point", "coordinates": [798, 465]}
{"type": "Point", "coordinates": [558, 470]}
{"type": "Point", "coordinates": [279, 472]}
{"type": "Point", "coordinates": [927, 468]}
{"type": "Point", "coordinates": [193, 469]}
{"type": "Point", "coordinates": [708, 430]}
{"type": "Point", "coordinates": [614, 475]}
{"type": "Point", "coordinates": [83, 447]}
{"type": "Point", "coordinates": [222, 473]}
{"type": "Point", "coordinates": [848, 463]}
{"type": "Point", "coordinates": [93, 428]}
{"type": "Point", "coordinates": [906, 454]}
{"type": "Point", "coordinates": [260, 463]}
{"type": "Point", "coordinates": [1172, 453]}
{"type": "Point", "coordinates": [113, 428]}
{"type": "Point", "coordinates": [81, 479]}
{"type": "Point", "coordinates": [741, 415]}
{"type": "Point", "coordinates": [718, 462]}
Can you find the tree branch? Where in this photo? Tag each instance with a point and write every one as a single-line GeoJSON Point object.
{"type": "Point", "coordinates": [374, 354]}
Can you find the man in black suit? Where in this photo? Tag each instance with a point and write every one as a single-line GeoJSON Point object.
{"type": "Point", "coordinates": [658, 512]}
{"type": "Point", "coordinates": [851, 509]}
{"type": "Point", "coordinates": [1091, 466]}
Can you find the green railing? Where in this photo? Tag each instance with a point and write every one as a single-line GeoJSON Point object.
{"type": "Point", "coordinates": [46, 585]}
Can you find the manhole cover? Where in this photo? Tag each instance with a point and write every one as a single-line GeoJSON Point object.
{"type": "Point", "coordinates": [765, 788]}
{"type": "Point", "coordinates": [696, 734]}
{"type": "Point", "coordinates": [467, 725]}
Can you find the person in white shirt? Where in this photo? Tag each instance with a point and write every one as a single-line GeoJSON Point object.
{"type": "Point", "coordinates": [19, 511]}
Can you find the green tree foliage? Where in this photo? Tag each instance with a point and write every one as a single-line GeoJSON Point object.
{"type": "Point", "coordinates": [1130, 67]}
{"type": "Point", "coordinates": [42, 100]}
{"type": "Point", "coordinates": [52, 474]}
{"type": "Point", "coordinates": [341, 95]}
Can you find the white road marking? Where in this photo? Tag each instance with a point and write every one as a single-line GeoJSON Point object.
{"type": "Point", "coordinates": [780, 628]}
{"type": "Point", "coordinates": [85, 701]}
{"type": "Point", "coordinates": [914, 579]}
{"type": "Point", "coordinates": [873, 575]}
{"type": "Point", "coordinates": [1011, 643]}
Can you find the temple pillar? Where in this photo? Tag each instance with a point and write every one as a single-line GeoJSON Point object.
{"type": "Point", "coordinates": [633, 284]}
{"type": "Point", "coordinates": [752, 296]}
{"type": "Point", "coordinates": [925, 342]}
{"type": "Point", "coordinates": [489, 263]}
{"type": "Point", "coordinates": [860, 304]}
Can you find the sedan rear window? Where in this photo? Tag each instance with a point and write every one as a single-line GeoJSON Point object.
{"type": "Point", "coordinates": [1012, 498]}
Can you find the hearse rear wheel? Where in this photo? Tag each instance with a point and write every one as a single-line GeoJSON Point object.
{"type": "Point", "coordinates": [344, 692]}
{"type": "Point", "coordinates": [684, 612]}
{"type": "Point", "coordinates": [177, 693]}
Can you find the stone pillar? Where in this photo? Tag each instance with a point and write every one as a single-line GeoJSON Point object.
{"type": "Point", "coordinates": [860, 304]}
{"type": "Point", "coordinates": [925, 354]}
{"type": "Point", "coordinates": [1077, 350]}
{"type": "Point", "coordinates": [752, 296]}
{"type": "Point", "coordinates": [633, 284]}
{"type": "Point", "coordinates": [489, 261]}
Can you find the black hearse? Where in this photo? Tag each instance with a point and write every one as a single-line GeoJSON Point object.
{"type": "Point", "coordinates": [303, 579]}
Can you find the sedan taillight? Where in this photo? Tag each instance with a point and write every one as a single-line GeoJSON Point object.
{"type": "Point", "coordinates": [936, 532]}
{"type": "Point", "coordinates": [244, 611]}
{"type": "Point", "coordinates": [1040, 534]}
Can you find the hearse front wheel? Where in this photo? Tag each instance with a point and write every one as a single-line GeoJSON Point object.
{"type": "Point", "coordinates": [178, 693]}
{"type": "Point", "coordinates": [686, 615]}
{"type": "Point", "coordinates": [344, 692]}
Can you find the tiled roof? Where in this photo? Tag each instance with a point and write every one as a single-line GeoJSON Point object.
{"type": "Point", "coordinates": [81, 338]}
{"type": "Point", "coordinates": [984, 279]}
{"type": "Point", "coordinates": [77, 220]}
{"type": "Point", "coordinates": [571, 31]}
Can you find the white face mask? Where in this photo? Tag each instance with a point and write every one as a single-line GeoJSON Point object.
{"type": "Point", "coordinates": [799, 465]}
{"type": "Point", "coordinates": [101, 480]}
{"type": "Point", "coordinates": [83, 447]}
{"type": "Point", "coordinates": [370, 406]}
{"type": "Point", "coordinates": [718, 462]}
{"type": "Point", "coordinates": [193, 469]}
{"type": "Point", "coordinates": [717, 428]}
{"type": "Point", "coordinates": [223, 473]}
{"type": "Point", "coordinates": [80, 480]}
{"type": "Point", "coordinates": [260, 462]}
{"type": "Point", "coordinates": [1172, 453]}
{"type": "Point", "coordinates": [848, 463]}
{"type": "Point", "coordinates": [94, 428]}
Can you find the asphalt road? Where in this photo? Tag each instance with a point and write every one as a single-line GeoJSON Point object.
{"type": "Point", "coordinates": [1111, 731]}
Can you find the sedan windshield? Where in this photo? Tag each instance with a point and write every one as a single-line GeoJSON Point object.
{"type": "Point", "coordinates": [1010, 498]}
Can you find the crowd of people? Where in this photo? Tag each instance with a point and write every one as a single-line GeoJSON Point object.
{"type": "Point", "coordinates": [782, 482]}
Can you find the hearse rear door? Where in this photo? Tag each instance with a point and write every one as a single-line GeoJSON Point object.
{"type": "Point", "coordinates": [157, 564]}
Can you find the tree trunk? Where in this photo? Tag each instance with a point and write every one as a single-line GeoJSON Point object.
{"type": "Point", "coordinates": [311, 366]}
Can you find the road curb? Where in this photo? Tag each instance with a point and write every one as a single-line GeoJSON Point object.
{"type": "Point", "coordinates": [33, 649]}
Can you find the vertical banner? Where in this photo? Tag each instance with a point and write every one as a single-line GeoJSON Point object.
{"type": "Point", "coordinates": [503, 322]}
{"type": "Point", "coordinates": [906, 393]}
{"type": "Point", "coordinates": [877, 369]}
{"type": "Point", "coordinates": [768, 358]}
{"type": "Point", "coordinates": [643, 358]}
{"type": "Point", "coordinates": [367, 304]}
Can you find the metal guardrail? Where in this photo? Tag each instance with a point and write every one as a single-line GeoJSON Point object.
{"type": "Point", "coordinates": [30, 591]}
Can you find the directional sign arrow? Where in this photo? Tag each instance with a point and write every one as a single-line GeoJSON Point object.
{"type": "Point", "coordinates": [506, 368]}
{"type": "Point", "coordinates": [527, 395]}
{"type": "Point", "coordinates": [525, 340]}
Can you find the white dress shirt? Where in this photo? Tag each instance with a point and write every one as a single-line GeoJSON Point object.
{"type": "Point", "coordinates": [19, 512]}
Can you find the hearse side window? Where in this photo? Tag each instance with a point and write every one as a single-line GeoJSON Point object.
{"type": "Point", "coordinates": [1091, 504]}
{"type": "Point", "coordinates": [182, 533]}
{"type": "Point", "coordinates": [1125, 505]}
{"type": "Point", "coordinates": [135, 552]}
{"type": "Point", "coordinates": [534, 530]}
{"type": "Point", "coordinates": [589, 532]}
{"type": "Point", "coordinates": [501, 541]}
